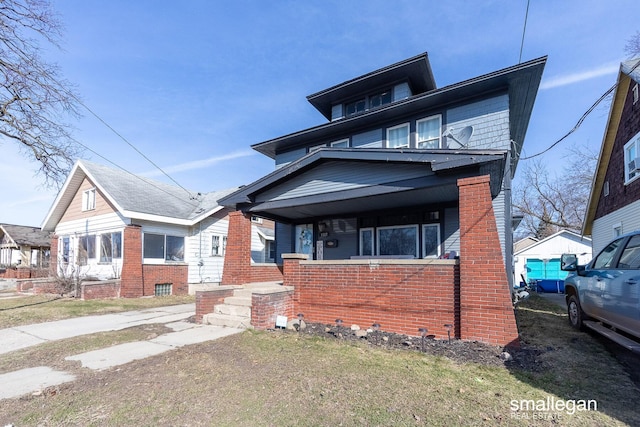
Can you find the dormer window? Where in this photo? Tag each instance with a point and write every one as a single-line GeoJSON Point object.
{"type": "Point", "coordinates": [355, 107]}
{"type": "Point", "coordinates": [380, 99]}
{"type": "Point", "coordinates": [89, 199]}
{"type": "Point", "coordinates": [428, 132]}
{"type": "Point", "coordinates": [398, 136]}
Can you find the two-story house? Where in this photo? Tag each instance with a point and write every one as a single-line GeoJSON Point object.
{"type": "Point", "coordinates": [614, 203]}
{"type": "Point", "coordinates": [398, 209]}
{"type": "Point", "coordinates": [152, 238]}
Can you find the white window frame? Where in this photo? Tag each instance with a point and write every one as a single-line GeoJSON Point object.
{"type": "Point", "coordinates": [636, 94]}
{"type": "Point", "coordinates": [408, 140]}
{"type": "Point", "coordinates": [218, 244]}
{"type": "Point", "coordinates": [413, 226]}
{"type": "Point", "coordinates": [634, 143]}
{"type": "Point", "coordinates": [317, 147]}
{"type": "Point", "coordinates": [426, 227]}
{"type": "Point", "coordinates": [164, 248]}
{"type": "Point", "coordinates": [420, 141]}
{"type": "Point", "coordinates": [373, 246]}
{"type": "Point", "coordinates": [256, 219]}
{"type": "Point", "coordinates": [343, 143]}
{"type": "Point", "coordinates": [89, 199]}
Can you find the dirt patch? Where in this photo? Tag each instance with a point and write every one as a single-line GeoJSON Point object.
{"type": "Point", "coordinates": [524, 358]}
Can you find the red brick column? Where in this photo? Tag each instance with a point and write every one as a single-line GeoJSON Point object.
{"type": "Point", "coordinates": [131, 284]}
{"type": "Point", "coordinates": [486, 309]}
{"type": "Point", "coordinates": [237, 257]}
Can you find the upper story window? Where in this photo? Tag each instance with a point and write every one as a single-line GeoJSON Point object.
{"type": "Point", "coordinates": [632, 159]}
{"type": "Point", "coordinates": [398, 136]}
{"type": "Point", "coordinates": [636, 95]}
{"type": "Point", "coordinates": [218, 245]}
{"type": "Point", "coordinates": [89, 199]}
{"type": "Point", "coordinates": [343, 143]}
{"type": "Point", "coordinates": [428, 132]}
{"type": "Point", "coordinates": [355, 107]}
{"type": "Point", "coordinates": [380, 99]}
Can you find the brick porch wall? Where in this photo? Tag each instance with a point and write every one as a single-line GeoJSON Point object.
{"type": "Point", "coordinates": [401, 295]}
{"type": "Point", "coordinates": [206, 300]}
{"type": "Point", "coordinates": [486, 307]}
{"type": "Point", "coordinates": [238, 268]}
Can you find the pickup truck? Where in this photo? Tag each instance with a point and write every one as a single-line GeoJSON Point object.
{"type": "Point", "coordinates": [604, 295]}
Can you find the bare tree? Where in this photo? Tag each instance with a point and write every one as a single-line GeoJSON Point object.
{"type": "Point", "coordinates": [555, 202]}
{"type": "Point", "coordinates": [34, 99]}
{"type": "Point", "coordinates": [632, 48]}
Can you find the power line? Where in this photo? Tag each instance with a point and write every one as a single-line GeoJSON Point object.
{"type": "Point", "coordinates": [582, 119]}
{"type": "Point", "coordinates": [524, 30]}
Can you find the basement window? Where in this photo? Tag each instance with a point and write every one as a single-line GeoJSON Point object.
{"type": "Point", "coordinates": [162, 289]}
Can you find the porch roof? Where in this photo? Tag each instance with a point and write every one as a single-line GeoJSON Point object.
{"type": "Point", "coordinates": [364, 180]}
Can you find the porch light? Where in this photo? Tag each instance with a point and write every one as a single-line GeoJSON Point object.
{"type": "Point", "coordinates": [448, 327]}
{"type": "Point", "coordinates": [423, 334]}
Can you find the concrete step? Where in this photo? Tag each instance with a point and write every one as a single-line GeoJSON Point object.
{"type": "Point", "coordinates": [258, 285]}
{"type": "Point", "coordinates": [243, 293]}
{"type": "Point", "coordinates": [233, 310]}
{"type": "Point", "coordinates": [239, 322]}
{"type": "Point", "coordinates": [241, 301]}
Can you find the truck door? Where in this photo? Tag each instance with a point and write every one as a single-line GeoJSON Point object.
{"type": "Point", "coordinates": [623, 303]}
{"type": "Point", "coordinates": [594, 297]}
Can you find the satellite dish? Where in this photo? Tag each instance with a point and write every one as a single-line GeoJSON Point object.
{"type": "Point", "coordinates": [462, 137]}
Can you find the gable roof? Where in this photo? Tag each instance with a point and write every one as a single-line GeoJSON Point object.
{"type": "Point", "coordinates": [134, 196]}
{"type": "Point", "coordinates": [27, 236]}
{"type": "Point", "coordinates": [629, 71]}
{"type": "Point", "coordinates": [567, 234]}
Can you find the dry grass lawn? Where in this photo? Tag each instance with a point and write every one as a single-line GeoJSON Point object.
{"type": "Point", "coordinates": [286, 379]}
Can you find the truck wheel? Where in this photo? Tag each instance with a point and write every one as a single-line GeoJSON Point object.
{"type": "Point", "coordinates": [576, 315]}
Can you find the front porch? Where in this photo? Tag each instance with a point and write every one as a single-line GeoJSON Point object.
{"type": "Point", "coordinates": [402, 295]}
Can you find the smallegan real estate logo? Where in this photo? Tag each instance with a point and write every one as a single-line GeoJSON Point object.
{"type": "Point", "coordinates": [550, 408]}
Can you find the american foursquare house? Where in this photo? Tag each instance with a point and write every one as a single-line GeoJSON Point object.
{"type": "Point", "coordinates": [397, 210]}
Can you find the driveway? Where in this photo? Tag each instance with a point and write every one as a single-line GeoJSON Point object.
{"type": "Point", "coordinates": [24, 381]}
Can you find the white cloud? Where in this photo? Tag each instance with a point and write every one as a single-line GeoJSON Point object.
{"type": "Point", "coordinates": [199, 164]}
{"type": "Point", "coordinates": [569, 79]}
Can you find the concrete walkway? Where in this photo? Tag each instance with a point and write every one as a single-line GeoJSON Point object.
{"type": "Point", "coordinates": [33, 380]}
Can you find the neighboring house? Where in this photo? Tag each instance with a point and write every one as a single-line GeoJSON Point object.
{"type": "Point", "coordinates": [24, 246]}
{"type": "Point", "coordinates": [614, 203]}
{"type": "Point", "coordinates": [398, 209]}
{"type": "Point", "coordinates": [541, 259]}
{"type": "Point", "coordinates": [156, 238]}
{"type": "Point", "coordinates": [524, 243]}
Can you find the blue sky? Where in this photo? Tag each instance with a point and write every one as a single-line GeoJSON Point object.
{"type": "Point", "coordinates": [193, 84]}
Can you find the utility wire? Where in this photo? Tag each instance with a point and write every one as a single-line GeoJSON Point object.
{"type": "Point", "coordinates": [524, 30]}
{"type": "Point", "coordinates": [582, 119]}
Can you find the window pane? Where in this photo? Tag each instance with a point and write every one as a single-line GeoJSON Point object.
{"type": "Point", "coordinates": [605, 258]}
{"type": "Point", "coordinates": [631, 255]}
{"type": "Point", "coordinates": [354, 107]}
{"type": "Point", "coordinates": [116, 240]}
{"type": "Point", "coordinates": [106, 248]}
{"type": "Point", "coordinates": [65, 249]}
{"type": "Point", "coordinates": [398, 137]}
{"type": "Point", "coordinates": [398, 241]}
{"type": "Point", "coordinates": [215, 245]}
{"type": "Point", "coordinates": [366, 242]}
{"type": "Point", "coordinates": [153, 245]}
{"type": "Point", "coordinates": [175, 248]}
{"type": "Point", "coordinates": [380, 99]}
{"type": "Point", "coordinates": [428, 133]}
{"type": "Point", "coordinates": [431, 240]}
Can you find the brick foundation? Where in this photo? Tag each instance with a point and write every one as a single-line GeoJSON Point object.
{"type": "Point", "coordinates": [486, 308]}
{"type": "Point", "coordinates": [99, 290]}
{"type": "Point", "coordinates": [176, 274]}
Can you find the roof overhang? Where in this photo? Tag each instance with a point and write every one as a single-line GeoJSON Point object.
{"type": "Point", "coordinates": [438, 185]}
{"type": "Point", "coordinates": [521, 82]}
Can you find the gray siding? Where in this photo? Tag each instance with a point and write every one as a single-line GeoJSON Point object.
{"type": "Point", "coordinates": [336, 112]}
{"type": "Point", "coordinates": [401, 91]}
{"type": "Point", "coordinates": [370, 139]}
{"type": "Point", "coordinates": [451, 237]}
{"type": "Point", "coordinates": [345, 231]}
{"type": "Point", "coordinates": [628, 218]}
{"type": "Point", "coordinates": [289, 156]}
{"type": "Point", "coordinates": [283, 240]}
{"type": "Point", "coordinates": [490, 121]}
{"type": "Point", "coordinates": [340, 176]}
